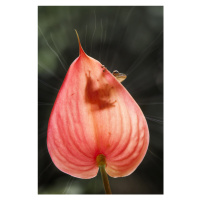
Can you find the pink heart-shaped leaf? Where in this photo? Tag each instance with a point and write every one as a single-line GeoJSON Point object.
{"type": "Point", "coordinates": [94, 114]}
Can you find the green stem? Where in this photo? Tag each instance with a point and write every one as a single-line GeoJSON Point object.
{"type": "Point", "coordinates": [105, 179]}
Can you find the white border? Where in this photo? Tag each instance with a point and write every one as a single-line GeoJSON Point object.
{"type": "Point", "coordinates": [19, 101]}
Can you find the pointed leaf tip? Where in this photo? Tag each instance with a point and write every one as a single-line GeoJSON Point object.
{"type": "Point", "coordinates": [79, 43]}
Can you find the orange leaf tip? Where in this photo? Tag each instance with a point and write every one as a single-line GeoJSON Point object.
{"type": "Point", "coordinates": [79, 43]}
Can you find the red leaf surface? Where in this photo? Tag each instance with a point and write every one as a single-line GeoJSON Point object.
{"type": "Point", "coordinates": [94, 114]}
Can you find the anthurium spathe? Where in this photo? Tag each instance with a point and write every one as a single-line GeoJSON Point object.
{"type": "Point", "coordinates": [95, 122]}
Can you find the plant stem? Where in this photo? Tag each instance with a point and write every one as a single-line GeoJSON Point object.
{"type": "Point", "coordinates": [105, 179]}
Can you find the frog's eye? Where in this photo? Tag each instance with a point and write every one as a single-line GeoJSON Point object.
{"type": "Point", "coordinates": [115, 73]}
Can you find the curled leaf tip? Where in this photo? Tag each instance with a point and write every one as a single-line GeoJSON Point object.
{"type": "Point", "coordinates": [79, 43]}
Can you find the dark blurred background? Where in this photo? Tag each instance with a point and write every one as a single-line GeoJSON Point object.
{"type": "Point", "coordinates": [127, 39]}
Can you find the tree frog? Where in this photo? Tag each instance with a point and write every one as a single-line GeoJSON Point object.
{"type": "Point", "coordinates": [119, 76]}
